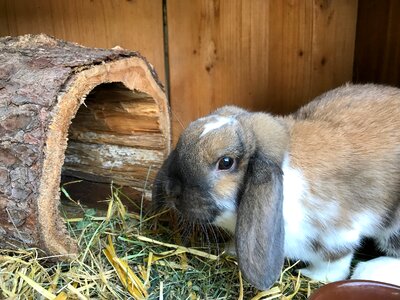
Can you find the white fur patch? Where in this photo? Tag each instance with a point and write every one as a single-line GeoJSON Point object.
{"type": "Point", "coordinates": [294, 188]}
{"type": "Point", "coordinates": [298, 230]}
{"type": "Point", "coordinates": [215, 124]}
{"type": "Point", "coordinates": [320, 221]}
{"type": "Point", "coordinates": [329, 271]}
{"type": "Point", "coordinates": [227, 221]}
{"type": "Point", "coordinates": [384, 269]}
{"type": "Point", "coordinates": [363, 225]}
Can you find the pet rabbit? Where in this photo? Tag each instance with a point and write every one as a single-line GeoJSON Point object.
{"type": "Point", "coordinates": [308, 186]}
{"type": "Point", "coordinates": [384, 269]}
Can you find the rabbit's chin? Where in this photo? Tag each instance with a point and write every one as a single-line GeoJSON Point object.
{"type": "Point", "coordinates": [227, 221]}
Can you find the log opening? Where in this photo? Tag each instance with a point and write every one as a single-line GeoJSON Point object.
{"type": "Point", "coordinates": [114, 137]}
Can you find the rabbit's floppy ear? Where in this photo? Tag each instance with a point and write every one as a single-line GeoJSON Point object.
{"type": "Point", "coordinates": [259, 227]}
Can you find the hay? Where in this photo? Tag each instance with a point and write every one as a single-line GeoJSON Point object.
{"type": "Point", "coordinates": [128, 255]}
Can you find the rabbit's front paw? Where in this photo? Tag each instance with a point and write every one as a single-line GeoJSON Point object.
{"type": "Point", "coordinates": [328, 271]}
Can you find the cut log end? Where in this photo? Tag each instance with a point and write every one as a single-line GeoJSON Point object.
{"type": "Point", "coordinates": [108, 122]}
{"type": "Point", "coordinates": [117, 134]}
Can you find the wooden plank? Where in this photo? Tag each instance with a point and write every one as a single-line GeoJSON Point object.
{"type": "Point", "coordinates": [334, 33]}
{"type": "Point", "coordinates": [263, 55]}
{"type": "Point", "coordinates": [377, 50]}
{"type": "Point", "coordinates": [135, 25]}
{"type": "Point", "coordinates": [290, 55]}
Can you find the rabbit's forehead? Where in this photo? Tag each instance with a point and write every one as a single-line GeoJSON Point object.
{"type": "Point", "coordinates": [214, 123]}
{"type": "Point", "coordinates": [210, 137]}
{"type": "Point", "coordinates": [206, 125]}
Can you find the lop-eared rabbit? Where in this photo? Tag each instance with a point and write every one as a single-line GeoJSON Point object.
{"type": "Point", "coordinates": [307, 186]}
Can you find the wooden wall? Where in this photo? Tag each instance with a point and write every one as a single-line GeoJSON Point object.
{"type": "Point", "coordinates": [377, 52]}
{"type": "Point", "coordinates": [264, 55]}
{"type": "Point", "coordinates": [135, 25]}
{"type": "Point", "coordinates": [272, 55]}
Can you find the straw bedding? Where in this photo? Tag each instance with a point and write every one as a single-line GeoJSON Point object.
{"type": "Point", "coordinates": [130, 255]}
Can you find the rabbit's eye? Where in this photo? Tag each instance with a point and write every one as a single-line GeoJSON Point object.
{"type": "Point", "coordinates": [225, 163]}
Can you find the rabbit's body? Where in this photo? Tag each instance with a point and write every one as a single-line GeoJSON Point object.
{"type": "Point", "coordinates": [307, 186]}
{"type": "Point", "coordinates": [341, 179]}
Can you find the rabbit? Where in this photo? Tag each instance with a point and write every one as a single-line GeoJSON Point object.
{"type": "Point", "coordinates": [307, 186]}
{"type": "Point", "coordinates": [383, 268]}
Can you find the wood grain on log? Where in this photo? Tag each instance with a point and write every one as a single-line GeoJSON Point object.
{"type": "Point", "coordinates": [121, 133]}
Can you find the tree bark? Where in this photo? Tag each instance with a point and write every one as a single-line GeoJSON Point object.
{"type": "Point", "coordinates": [121, 134]}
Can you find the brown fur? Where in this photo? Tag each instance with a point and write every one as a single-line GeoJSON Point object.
{"type": "Point", "coordinates": [348, 143]}
{"type": "Point", "coordinates": [270, 133]}
{"type": "Point", "coordinates": [225, 185]}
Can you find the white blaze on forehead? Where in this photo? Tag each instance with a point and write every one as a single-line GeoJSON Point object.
{"type": "Point", "coordinates": [215, 124]}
